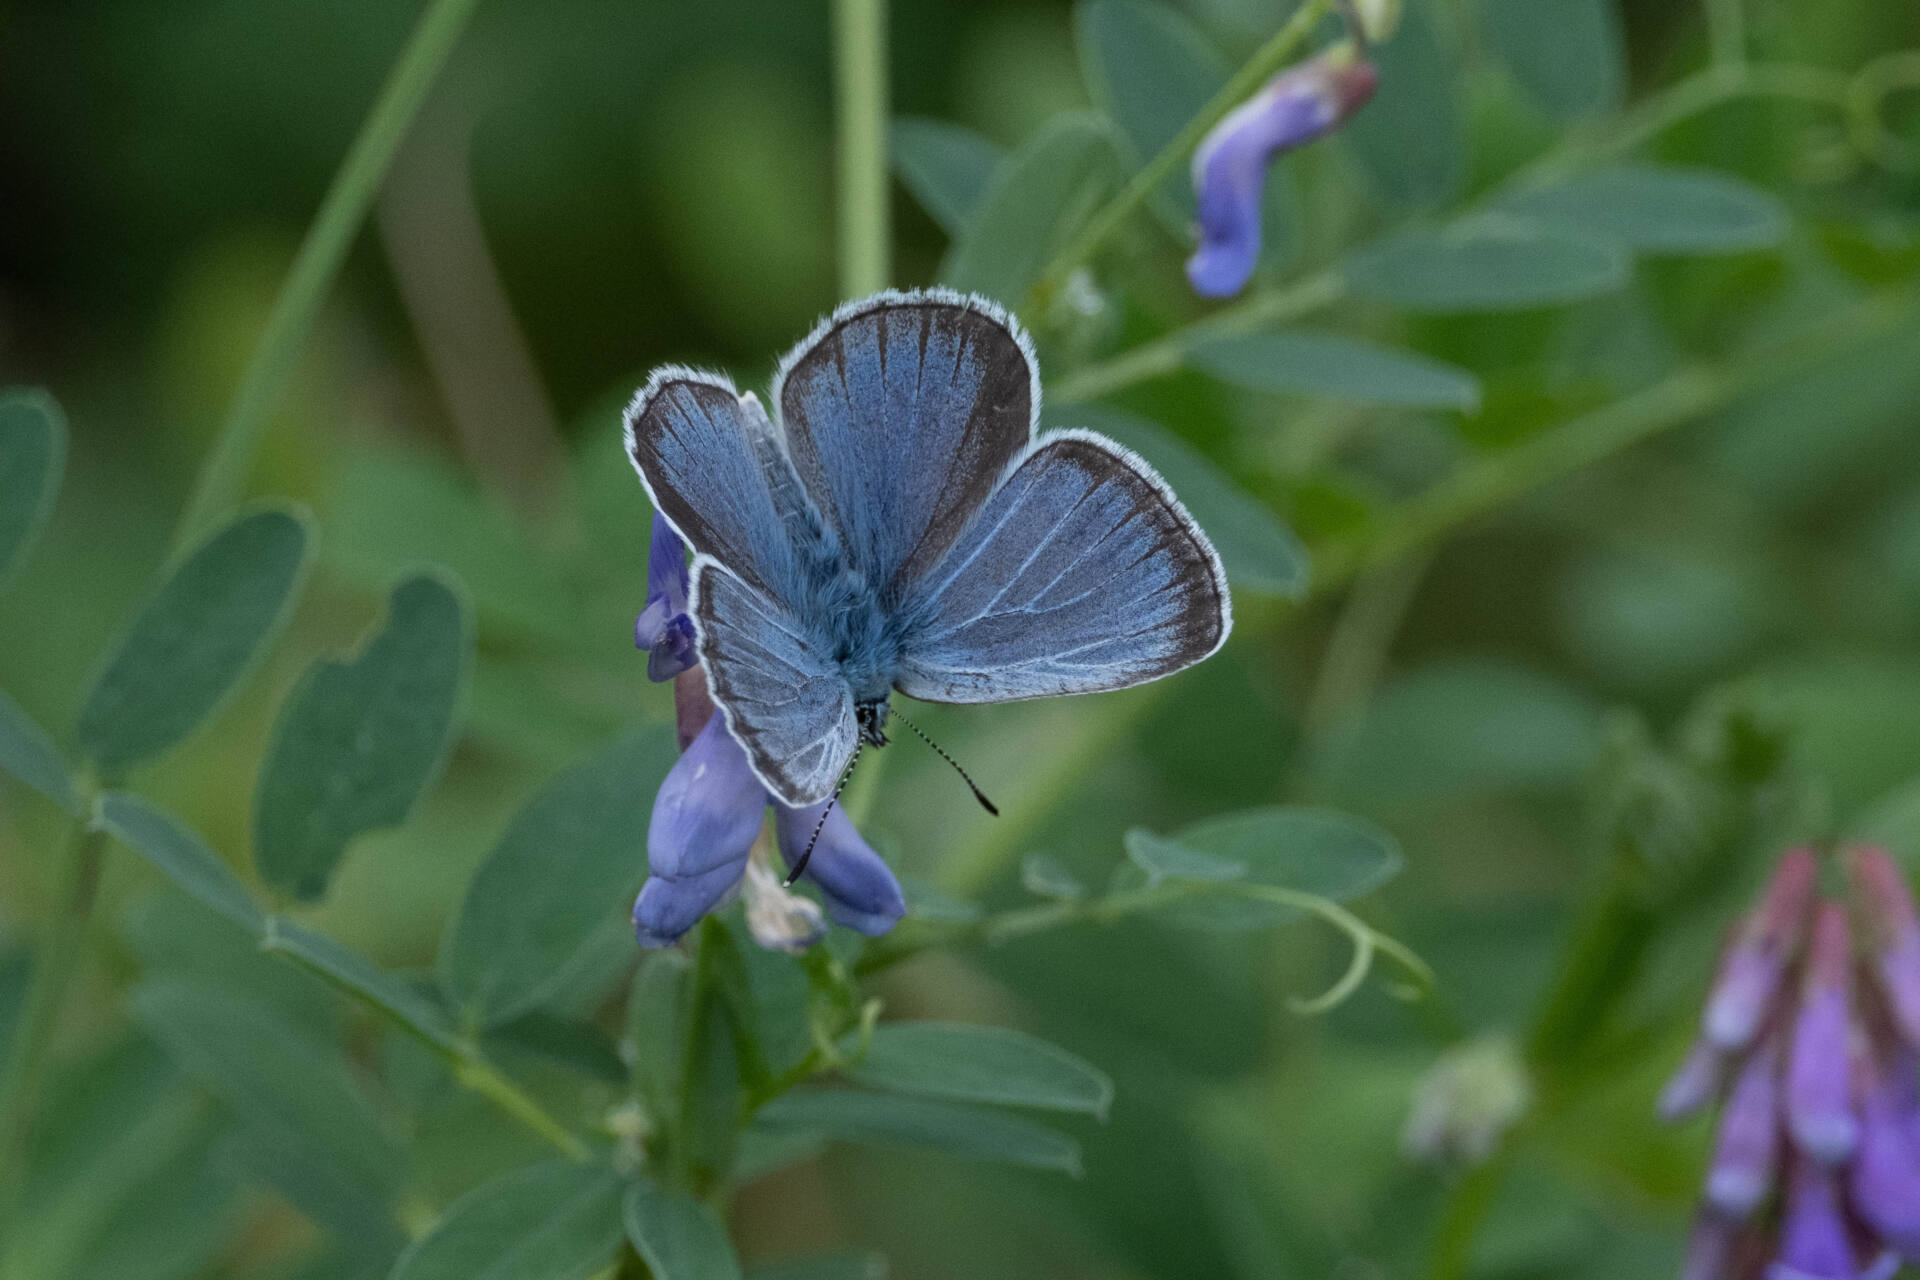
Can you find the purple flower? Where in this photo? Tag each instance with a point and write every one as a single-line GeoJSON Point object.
{"type": "Point", "coordinates": [1230, 166]}
{"type": "Point", "coordinates": [663, 628]}
{"type": "Point", "coordinates": [1820, 1060]}
{"type": "Point", "coordinates": [1884, 1180]}
{"type": "Point", "coordinates": [1751, 970]}
{"type": "Point", "coordinates": [1816, 1240]}
{"type": "Point", "coordinates": [1747, 1156]}
{"type": "Point", "coordinates": [701, 841]}
{"type": "Point", "coordinates": [1891, 933]}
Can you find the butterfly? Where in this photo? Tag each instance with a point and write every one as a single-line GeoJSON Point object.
{"type": "Point", "coordinates": [899, 526]}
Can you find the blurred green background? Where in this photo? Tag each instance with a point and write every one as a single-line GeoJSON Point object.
{"type": "Point", "coordinates": [1670, 661]}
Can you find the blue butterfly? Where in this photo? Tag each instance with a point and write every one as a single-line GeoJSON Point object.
{"type": "Point", "coordinates": [901, 527]}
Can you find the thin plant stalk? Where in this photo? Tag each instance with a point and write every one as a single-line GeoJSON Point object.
{"type": "Point", "coordinates": [342, 211]}
{"type": "Point", "coordinates": [860, 88]}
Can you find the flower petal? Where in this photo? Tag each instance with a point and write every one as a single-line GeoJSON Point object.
{"type": "Point", "coordinates": [1230, 166]}
{"type": "Point", "coordinates": [1747, 1153]}
{"type": "Point", "coordinates": [860, 889]}
{"type": "Point", "coordinates": [1751, 971]}
{"type": "Point", "coordinates": [704, 821]}
{"type": "Point", "coordinates": [1820, 1067]}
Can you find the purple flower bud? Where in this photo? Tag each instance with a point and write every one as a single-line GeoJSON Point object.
{"type": "Point", "coordinates": [1815, 1243]}
{"type": "Point", "coordinates": [860, 890]}
{"type": "Point", "coordinates": [1885, 909]}
{"type": "Point", "coordinates": [663, 627]}
{"type": "Point", "coordinates": [1230, 166]}
{"type": "Point", "coordinates": [704, 821]}
{"type": "Point", "coordinates": [1746, 1156]}
{"type": "Point", "coordinates": [1819, 1072]}
{"type": "Point", "coordinates": [1694, 1085]}
{"type": "Point", "coordinates": [1884, 1179]}
{"type": "Point", "coordinates": [1754, 964]}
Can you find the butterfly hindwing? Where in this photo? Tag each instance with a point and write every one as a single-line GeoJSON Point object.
{"type": "Point", "coordinates": [901, 413]}
{"type": "Point", "coordinates": [1081, 573]}
{"type": "Point", "coordinates": [784, 698]}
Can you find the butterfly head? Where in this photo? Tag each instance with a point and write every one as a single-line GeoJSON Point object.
{"type": "Point", "coordinates": [872, 719]}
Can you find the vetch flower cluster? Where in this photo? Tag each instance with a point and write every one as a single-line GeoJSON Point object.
{"type": "Point", "coordinates": [704, 839]}
{"type": "Point", "coordinates": [1230, 167]}
{"type": "Point", "coordinates": [1811, 1034]}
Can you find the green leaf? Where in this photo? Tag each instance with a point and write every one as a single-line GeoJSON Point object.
{"type": "Point", "coordinates": [33, 453]}
{"type": "Point", "coordinates": [1461, 728]}
{"type": "Point", "coordinates": [1259, 551]}
{"type": "Point", "coordinates": [28, 754]}
{"type": "Point", "coordinates": [348, 971]}
{"type": "Point", "coordinates": [1568, 55]}
{"type": "Point", "coordinates": [1049, 878]}
{"type": "Point", "coordinates": [305, 1125]}
{"type": "Point", "coordinates": [1038, 196]}
{"type": "Point", "coordinates": [1164, 859]}
{"type": "Point", "coordinates": [1660, 210]}
{"type": "Point", "coordinates": [124, 1176]}
{"type": "Point", "coordinates": [359, 741]}
{"type": "Point", "coordinates": [1151, 71]}
{"type": "Point", "coordinates": [851, 1264]}
{"type": "Point", "coordinates": [1411, 137]}
{"type": "Point", "coordinates": [1340, 368]}
{"type": "Point", "coordinates": [659, 1002]}
{"type": "Point", "coordinates": [558, 1221]}
{"type": "Point", "coordinates": [854, 1115]}
{"type": "Point", "coordinates": [181, 855]}
{"type": "Point", "coordinates": [948, 168]}
{"type": "Point", "coordinates": [680, 1238]}
{"type": "Point", "coordinates": [569, 863]}
{"type": "Point", "coordinates": [963, 1062]}
{"type": "Point", "coordinates": [1314, 851]}
{"type": "Point", "coordinates": [1487, 263]}
{"type": "Point", "coordinates": [211, 617]}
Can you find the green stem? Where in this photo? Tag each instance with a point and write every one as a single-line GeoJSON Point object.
{"type": "Point", "coordinates": [1552, 455]}
{"type": "Point", "coordinates": [860, 83]}
{"type": "Point", "coordinates": [1265, 62]}
{"type": "Point", "coordinates": [1165, 355]}
{"type": "Point", "coordinates": [342, 211]}
{"type": "Point", "coordinates": [58, 956]}
{"type": "Point", "coordinates": [1024, 921]}
{"type": "Point", "coordinates": [477, 1076]}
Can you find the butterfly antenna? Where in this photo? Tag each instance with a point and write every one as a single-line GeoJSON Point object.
{"type": "Point", "coordinates": [794, 874]}
{"type": "Point", "coordinates": [977, 793]}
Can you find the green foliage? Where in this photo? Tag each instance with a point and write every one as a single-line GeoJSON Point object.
{"type": "Point", "coordinates": [1568, 55]}
{"type": "Point", "coordinates": [1037, 195]}
{"type": "Point", "coordinates": [963, 1063]}
{"type": "Point", "coordinates": [680, 1238]}
{"type": "Point", "coordinates": [207, 622]}
{"type": "Point", "coordinates": [1491, 262]}
{"type": "Point", "coordinates": [33, 453]}
{"type": "Point", "coordinates": [554, 884]}
{"type": "Point", "coordinates": [358, 741]}
{"type": "Point", "coordinates": [1588, 404]}
{"type": "Point", "coordinates": [558, 1221]}
{"type": "Point", "coordinates": [28, 754]}
{"type": "Point", "coordinates": [946, 167]}
{"type": "Point", "coordinates": [975, 1133]}
{"type": "Point", "coordinates": [1323, 364]}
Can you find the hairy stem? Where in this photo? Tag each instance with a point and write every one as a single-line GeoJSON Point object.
{"type": "Point", "coordinates": [860, 86]}
{"type": "Point", "coordinates": [338, 221]}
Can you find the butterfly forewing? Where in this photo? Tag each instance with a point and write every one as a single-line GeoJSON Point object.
{"type": "Point", "coordinates": [901, 413]}
{"type": "Point", "coordinates": [694, 445]}
{"type": "Point", "coordinates": [1082, 573]}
